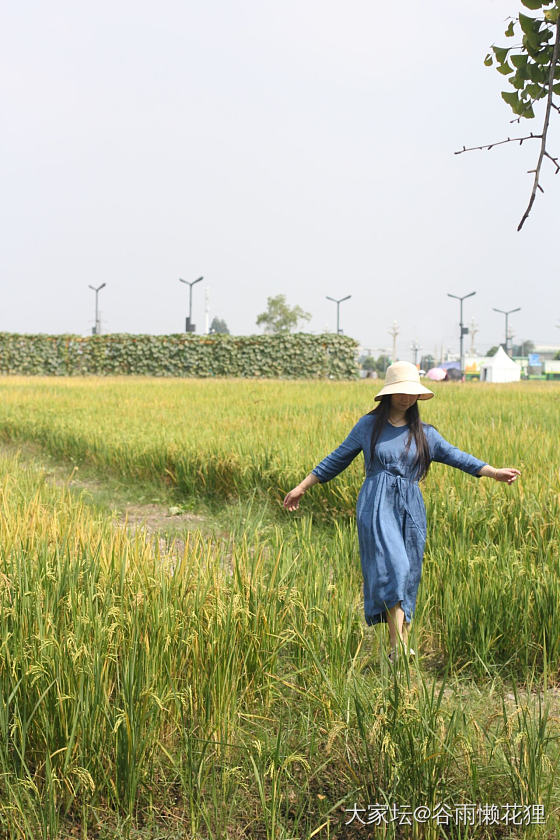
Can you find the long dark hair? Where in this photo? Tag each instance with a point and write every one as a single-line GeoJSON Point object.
{"type": "Point", "coordinates": [415, 431]}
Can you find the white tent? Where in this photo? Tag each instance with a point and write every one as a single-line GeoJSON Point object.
{"type": "Point", "coordinates": [499, 368]}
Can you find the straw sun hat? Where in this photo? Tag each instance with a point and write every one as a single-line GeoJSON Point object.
{"type": "Point", "coordinates": [403, 378]}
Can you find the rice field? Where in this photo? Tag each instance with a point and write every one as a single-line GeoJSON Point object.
{"type": "Point", "coordinates": [230, 689]}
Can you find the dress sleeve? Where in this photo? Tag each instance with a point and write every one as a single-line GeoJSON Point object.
{"type": "Point", "coordinates": [341, 457]}
{"type": "Point", "coordinates": [445, 453]}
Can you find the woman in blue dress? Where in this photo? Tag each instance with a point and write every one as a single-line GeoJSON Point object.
{"type": "Point", "coordinates": [391, 518]}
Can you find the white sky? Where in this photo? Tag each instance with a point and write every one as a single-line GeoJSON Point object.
{"type": "Point", "coordinates": [303, 147]}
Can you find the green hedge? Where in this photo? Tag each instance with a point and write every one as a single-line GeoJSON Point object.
{"type": "Point", "coordinates": [297, 356]}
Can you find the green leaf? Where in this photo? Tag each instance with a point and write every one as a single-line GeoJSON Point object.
{"type": "Point", "coordinates": [532, 44]}
{"type": "Point", "coordinates": [504, 69]}
{"type": "Point", "coordinates": [544, 57]}
{"type": "Point", "coordinates": [509, 31]}
{"type": "Point", "coordinates": [522, 109]}
{"type": "Point", "coordinates": [533, 4]}
{"type": "Point", "coordinates": [521, 76]}
{"type": "Point", "coordinates": [537, 73]}
{"type": "Point", "coordinates": [501, 53]}
{"type": "Point", "coordinates": [512, 99]}
{"type": "Point", "coordinates": [527, 24]}
{"type": "Point", "coordinates": [519, 60]}
{"type": "Point", "coordinates": [488, 61]}
{"type": "Point", "coordinates": [535, 91]}
{"type": "Point", "coordinates": [552, 15]}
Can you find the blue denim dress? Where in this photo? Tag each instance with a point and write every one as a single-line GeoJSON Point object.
{"type": "Point", "coordinates": [390, 511]}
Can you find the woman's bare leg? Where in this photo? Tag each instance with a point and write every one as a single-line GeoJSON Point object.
{"type": "Point", "coordinates": [395, 620]}
{"type": "Point", "coordinates": [405, 629]}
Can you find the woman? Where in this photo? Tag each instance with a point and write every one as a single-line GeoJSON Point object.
{"type": "Point", "coordinates": [391, 516]}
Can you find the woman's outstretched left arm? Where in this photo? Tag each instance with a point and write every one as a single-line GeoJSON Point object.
{"type": "Point", "coordinates": [507, 474]}
{"type": "Point", "coordinates": [444, 452]}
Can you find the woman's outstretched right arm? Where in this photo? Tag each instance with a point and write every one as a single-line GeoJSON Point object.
{"type": "Point", "coordinates": [329, 467]}
{"type": "Point", "coordinates": [292, 500]}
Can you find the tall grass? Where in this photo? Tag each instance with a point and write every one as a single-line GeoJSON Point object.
{"type": "Point", "coordinates": [224, 692]}
{"type": "Point", "coordinates": [223, 438]}
{"type": "Point", "coordinates": [490, 593]}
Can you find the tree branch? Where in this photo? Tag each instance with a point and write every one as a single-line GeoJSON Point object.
{"type": "Point", "coordinates": [489, 146]}
{"type": "Point", "coordinates": [543, 151]}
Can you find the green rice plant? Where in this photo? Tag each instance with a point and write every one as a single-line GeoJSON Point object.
{"type": "Point", "coordinates": [231, 688]}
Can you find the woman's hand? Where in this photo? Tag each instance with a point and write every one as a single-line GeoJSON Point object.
{"type": "Point", "coordinates": [292, 500]}
{"type": "Point", "coordinates": [507, 474]}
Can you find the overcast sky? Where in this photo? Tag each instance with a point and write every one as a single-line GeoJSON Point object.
{"type": "Point", "coordinates": [303, 147]}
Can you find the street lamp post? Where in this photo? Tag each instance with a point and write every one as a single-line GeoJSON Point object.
{"type": "Point", "coordinates": [338, 302]}
{"type": "Point", "coordinates": [96, 329]}
{"type": "Point", "coordinates": [394, 331]}
{"type": "Point", "coordinates": [462, 330]}
{"type": "Point", "coordinates": [189, 326]}
{"type": "Point", "coordinates": [507, 314]}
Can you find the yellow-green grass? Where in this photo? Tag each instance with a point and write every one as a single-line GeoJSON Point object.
{"type": "Point", "coordinates": [224, 694]}
{"type": "Point", "coordinates": [491, 587]}
{"type": "Point", "coordinates": [225, 437]}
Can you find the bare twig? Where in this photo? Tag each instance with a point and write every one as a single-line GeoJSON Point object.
{"type": "Point", "coordinates": [543, 151]}
{"type": "Point", "coordinates": [554, 161]}
{"type": "Point", "coordinates": [489, 146]}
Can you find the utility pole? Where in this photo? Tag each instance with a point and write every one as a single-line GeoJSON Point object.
{"type": "Point", "coordinates": [96, 330]}
{"type": "Point", "coordinates": [474, 330]}
{"type": "Point", "coordinates": [189, 326]}
{"type": "Point", "coordinates": [462, 329]}
{"type": "Point", "coordinates": [206, 311]}
{"type": "Point", "coordinates": [507, 314]}
{"type": "Point", "coordinates": [415, 347]}
{"type": "Point", "coordinates": [338, 302]}
{"type": "Point", "coordinates": [510, 339]}
{"type": "Point", "coordinates": [394, 331]}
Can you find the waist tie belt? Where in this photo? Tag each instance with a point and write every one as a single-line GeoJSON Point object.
{"type": "Point", "coordinates": [401, 484]}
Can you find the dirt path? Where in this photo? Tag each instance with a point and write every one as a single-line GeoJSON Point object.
{"type": "Point", "coordinates": [166, 522]}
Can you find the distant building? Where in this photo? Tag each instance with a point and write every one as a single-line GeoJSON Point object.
{"type": "Point", "coordinates": [546, 351]}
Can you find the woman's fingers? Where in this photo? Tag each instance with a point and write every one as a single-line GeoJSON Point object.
{"type": "Point", "coordinates": [292, 499]}
{"type": "Point", "coordinates": [509, 474]}
{"type": "Point", "coordinates": [506, 474]}
{"type": "Point", "coordinates": [291, 502]}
